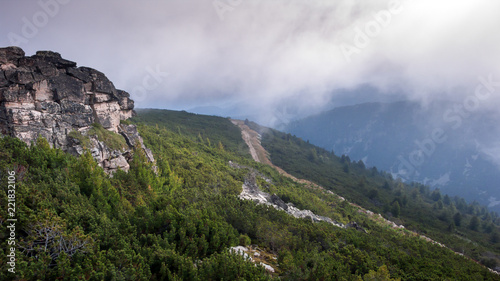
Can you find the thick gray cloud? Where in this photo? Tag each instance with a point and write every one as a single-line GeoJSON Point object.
{"type": "Point", "coordinates": [264, 54]}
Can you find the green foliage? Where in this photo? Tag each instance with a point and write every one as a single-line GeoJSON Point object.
{"type": "Point", "coordinates": [48, 235]}
{"type": "Point", "coordinates": [495, 237]}
{"type": "Point", "coordinates": [111, 139]}
{"type": "Point", "coordinates": [244, 240]}
{"type": "Point", "coordinates": [396, 209]}
{"type": "Point", "coordinates": [177, 223]}
{"type": "Point", "coordinates": [436, 195]}
{"type": "Point", "coordinates": [373, 194]}
{"type": "Point", "coordinates": [196, 127]}
{"type": "Point", "coordinates": [474, 223]}
{"type": "Point", "coordinates": [230, 267]}
{"type": "Point", "coordinates": [382, 274]}
{"type": "Point", "coordinates": [346, 168]}
{"type": "Point", "coordinates": [84, 141]}
{"type": "Point", "coordinates": [125, 122]}
{"type": "Point", "coordinates": [457, 219]}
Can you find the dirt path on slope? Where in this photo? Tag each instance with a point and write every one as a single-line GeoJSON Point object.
{"type": "Point", "coordinates": [259, 153]}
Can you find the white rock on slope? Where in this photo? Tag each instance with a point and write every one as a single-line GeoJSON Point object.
{"type": "Point", "coordinates": [251, 191]}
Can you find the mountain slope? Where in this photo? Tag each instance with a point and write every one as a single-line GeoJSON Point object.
{"type": "Point", "coordinates": [447, 220]}
{"type": "Point", "coordinates": [178, 224]}
{"type": "Point", "coordinates": [304, 200]}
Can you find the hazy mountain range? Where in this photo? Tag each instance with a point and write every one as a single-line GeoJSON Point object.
{"type": "Point", "coordinates": [440, 144]}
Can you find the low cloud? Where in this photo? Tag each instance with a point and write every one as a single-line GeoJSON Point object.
{"type": "Point", "coordinates": [265, 53]}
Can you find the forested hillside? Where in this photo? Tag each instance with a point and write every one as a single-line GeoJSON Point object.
{"type": "Point", "coordinates": [75, 222]}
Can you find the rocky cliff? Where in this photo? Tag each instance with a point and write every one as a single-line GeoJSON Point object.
{"type": "Point", "coordinates": [74, 108]}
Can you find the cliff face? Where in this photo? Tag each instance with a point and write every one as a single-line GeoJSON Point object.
{"type": "Point", "coordinates": [49, 96]}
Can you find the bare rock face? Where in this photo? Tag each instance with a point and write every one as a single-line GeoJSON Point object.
{"type": "Point", "coordinates": [46, 95]}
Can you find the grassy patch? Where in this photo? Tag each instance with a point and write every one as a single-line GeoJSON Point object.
{"type": "Point", "coordinates": [84, 140]}
{"type": "Point", "coordinates": [111, 139]}
{"type": "Point", "coordinates": [125, 122]}
{"type": "Point", "coordinates": [196, 127]}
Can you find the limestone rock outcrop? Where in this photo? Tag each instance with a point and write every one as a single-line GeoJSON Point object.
{"type": "Point", "coordinates": [46, 95]}
{"type": "Point", "coordinates": [251, 191]}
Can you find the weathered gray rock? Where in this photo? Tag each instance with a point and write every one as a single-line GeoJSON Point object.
{"type": "Point", "coordinates": [3, 79]}
{"type": "Point", "coordinates": [356, 226]}
{"type": "Point", "coordinates": [65, 87]}
{"type": "Point", "coordinates": [11, 55]}
{"type": "Point", "coordinates": [46, 95]}
{"type": "Point", "coordinates": [54, 58]}
{"type": "Point", "coordinates": [251, 191]}
{"type": "Point", "coordinates": [278, 202]}
{"type": "Point", "coordinates": [19, 75]}
{"type": "Point", "coordinates": [79, 74]}
{"type": "Point", "coordinates": [132, 137]}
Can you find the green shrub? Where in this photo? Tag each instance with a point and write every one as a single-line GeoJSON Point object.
{"type": "Point", "coordinates": [84, 140]}
{"type": "Point", "coordinates": [245, 240]}
{"type": "Point", "coordinates": [111, 139]}
{"type": "Point", "coordinates": [125, 122]}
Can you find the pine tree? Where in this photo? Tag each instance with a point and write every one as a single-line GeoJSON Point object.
{"type": "Point", "coordinates": [457, 219]}
{"type": "Point", "coordinates": [447, 200]}
{"type": "Point", "coordinates": [386, 185]}
{"type": "Point", "coordinates": [474, 223]}
{"type": "Point", "coordinates": [346, 168]}
{"type": "Point", "coordinates": [396, 209]}
{"type": "Point", "coordinates": [495, 237]}
{"type": "Point", "coordinates": [440, 204]}
{"type": "Point", "coordinates": [381, 274]}
{"type": "Point", "coordinates": [436, 195]}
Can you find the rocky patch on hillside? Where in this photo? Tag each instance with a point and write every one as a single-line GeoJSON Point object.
{"type": "Point", "coordinates": [251, 191]}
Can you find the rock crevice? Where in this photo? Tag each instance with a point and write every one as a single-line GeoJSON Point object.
{"type": "Point", "coordinates": [46, 95]}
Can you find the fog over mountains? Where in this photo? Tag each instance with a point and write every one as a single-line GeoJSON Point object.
{"type": "Point", "coordinates": [265, 54]}
{"type": "Point", "coordinates": [442, 144]}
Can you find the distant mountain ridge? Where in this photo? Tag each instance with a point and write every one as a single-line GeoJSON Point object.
{"type": "Point", "coordinates": [425, 144]}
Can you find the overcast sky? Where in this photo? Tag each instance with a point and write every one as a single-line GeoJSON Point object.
{"type": "Point", "coordinates": [263, 54]}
